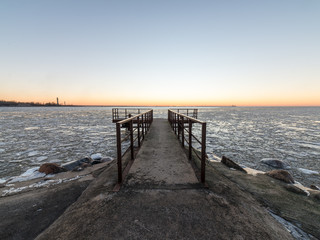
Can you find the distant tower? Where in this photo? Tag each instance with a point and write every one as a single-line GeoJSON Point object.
{"type": "Point", "coordinates": [57, 101]}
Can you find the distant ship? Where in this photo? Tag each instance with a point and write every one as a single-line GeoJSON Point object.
{"type": "Point", "coordinates": [233, 105]}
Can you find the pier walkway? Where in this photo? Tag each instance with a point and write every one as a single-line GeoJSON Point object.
{"type": "Point", "coordinates": [161, 198]}
{"type": "Point", "coordinates": [161, 161]}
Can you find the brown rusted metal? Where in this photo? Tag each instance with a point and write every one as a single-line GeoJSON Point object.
{"type": "Point", "coordinates": [177, 121]}
{"type": "Point", "coordinates": [182, 131]}
{"type": "Point", "coordinates": [190, 139]}
{"type": "Point", "coordinates": [203, 153]}
{"type": "Point", "coordinates": [119, 162]}
{"type": "Point", "coordinates": [133, 125]}
{"type": "Point", "coordinates": [131, 140]}
{"type": "Point", "coordinates": [139, 140]}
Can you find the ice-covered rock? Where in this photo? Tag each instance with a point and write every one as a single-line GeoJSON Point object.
{"type": "Point", "coordinates": [275, 163]}
{"type": "Point", "coordinates": [96, 156]}
{"type": "Point", "coordinates": [73, 165]}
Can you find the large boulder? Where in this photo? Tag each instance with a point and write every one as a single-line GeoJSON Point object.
{"type": "Point", "coordinates": [74, 165]}
{"type": "Point", "coordinates": [51, 168]}
{"type": "Point", "coordinates": [231, 164]}
{"type": "Point", "coordinates": [281, 175]}
{"type": "Point", "coordinates": [275, 163]}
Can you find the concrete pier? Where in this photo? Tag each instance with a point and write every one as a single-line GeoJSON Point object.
{"type": "Point", "coordinates": [161, 160]}
{"type": "Point", "coordinates": [161, 198]}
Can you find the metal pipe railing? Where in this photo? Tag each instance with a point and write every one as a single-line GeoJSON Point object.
{"type": "Point", "coordinates": [180, 124]}
{"type": "Point", "coordinates": [133, 124]}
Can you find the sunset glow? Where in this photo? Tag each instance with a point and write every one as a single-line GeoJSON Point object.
{"type": "Point", "coordinates": [146, 53]}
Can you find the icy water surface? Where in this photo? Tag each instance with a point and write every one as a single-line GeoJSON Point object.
{"type": "Point", "coordinates": [248, 135]}
{"type": "Point", "coordinates": [32, 136]}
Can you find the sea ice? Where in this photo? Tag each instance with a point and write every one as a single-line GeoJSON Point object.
{"type": "Point", "coordinates": [307, 171]}
{"type": "Point", "coordinates": [33, 153]}
{"type": "Point", "coordinates": [42, 158]}
{"type": "Point", "coordinates": [30, 174]}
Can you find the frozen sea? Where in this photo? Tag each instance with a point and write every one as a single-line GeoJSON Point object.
{"type": "Point", "coordinates": [30, 136]}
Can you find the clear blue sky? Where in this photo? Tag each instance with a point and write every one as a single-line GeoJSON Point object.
{"type": "Point", "coordinates": [161, 52]}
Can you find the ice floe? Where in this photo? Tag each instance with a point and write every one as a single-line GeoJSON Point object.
{"type": "Point", "coordinates": [308, 171]}
{"type": "Point", "coordinates": [39, 184]}
{"type": "Point", "coordinates": [30, 174]}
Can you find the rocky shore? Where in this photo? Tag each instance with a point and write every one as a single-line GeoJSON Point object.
{"type": "Point", "coordinates": [36, 212]}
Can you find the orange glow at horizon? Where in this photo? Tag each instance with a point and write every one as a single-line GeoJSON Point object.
{"type": "Point", "coordinates": [173, 102]}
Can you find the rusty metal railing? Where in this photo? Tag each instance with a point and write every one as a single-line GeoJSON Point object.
{"type": "Point", "coordinates": [180, 124]}
{"type": "Point", "coordinates": [191, 112]}
{"type": "Point", "coordinates": [137, 125]}
{"type": "Point", "coordinates": [119, 114]}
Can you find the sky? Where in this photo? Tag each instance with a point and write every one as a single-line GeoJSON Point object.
{"type": "Point", "coordinates": [161, 53]}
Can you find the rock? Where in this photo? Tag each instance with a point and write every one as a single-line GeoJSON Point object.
{"type": "Point", "coordinates": [295, 189]}
{"type": "Point", "coordinates": [106, 159]}
{"type": "Point", "coordinates": [49, 168]}
{"type": "Point", "coordinates": [96, 156]}
{"type": "Point", "coordinates": [231, 164]}
{"type": "Point", "coordinates": [316, 196]}
{"type": "Point", "coordinates": [275, 163]}
{"type": "Point", "coordinates": [96, 162]}
{"type": "Point", "coordinates": [85, 160]}
{"type": "Point", "coordinates": [314, 187]}
{"type": "Point", "coordinates": [74, 165]}
{"type": "Point", "coordinates": [281, 175]}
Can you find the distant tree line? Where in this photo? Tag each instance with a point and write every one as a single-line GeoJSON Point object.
{"type": "Point", "coordinates": [4, 103]}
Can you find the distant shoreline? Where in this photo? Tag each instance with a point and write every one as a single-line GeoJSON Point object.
{"type": "Point", "coordinates": [30, 104]}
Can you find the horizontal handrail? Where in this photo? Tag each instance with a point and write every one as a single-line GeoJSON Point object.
{"type": "Point", "coordinates": [119, 114]}
{"type": "Point", "coordinates": [188, 111]}
{"type": "Point", "coordinates": [178, 122]}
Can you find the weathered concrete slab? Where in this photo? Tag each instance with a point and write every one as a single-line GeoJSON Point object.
{"type": "Point", "coordinates": [161, 159]}
{"type": "Point", "coordinates": [160, 200]}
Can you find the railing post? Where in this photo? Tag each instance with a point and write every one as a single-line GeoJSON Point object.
{"type": "Point", "coordinates": [179, 127]}
{"type": "Point", "coordinates": [182, 132]}
{"type": "Point", "coordinates": [203, 153]}
{"type": "Point", "coordinates": [175, 123]}
{"type": "Point", "coordinates": [131, 139]}
{"type": "Point", "coordinates": [138, 124]}
{"type": "Point", "coordinates": [142, 127]}
{"type": "Point", "coordinates": [119, 153]}
{"type": "Point", "coordinates": [190, 139]}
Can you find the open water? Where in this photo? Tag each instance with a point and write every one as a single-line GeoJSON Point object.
{"type": "Point", "coordinates": [30, 136]}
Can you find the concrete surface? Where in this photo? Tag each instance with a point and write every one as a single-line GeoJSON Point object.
{"type": "Point", "coordinates": [161, 159]}
{"type": "Point", "coordinates": [161, 199]}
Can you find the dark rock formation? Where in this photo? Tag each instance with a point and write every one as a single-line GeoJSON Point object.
{"type": "Point", "coordinates": [49, 168]}
{"type": "Point", "coordinates": [275, 163]}
{"type": "Point", "coordinates": [314, 187]}
{"type": "Point", "coordinates": [295, 189]}
{"type": "Point", "coordinates": [231, 164]}
{"type": "Point", "coordinates": [281, 175]}
{"type": "Point", "coordinates": [75, 165]}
